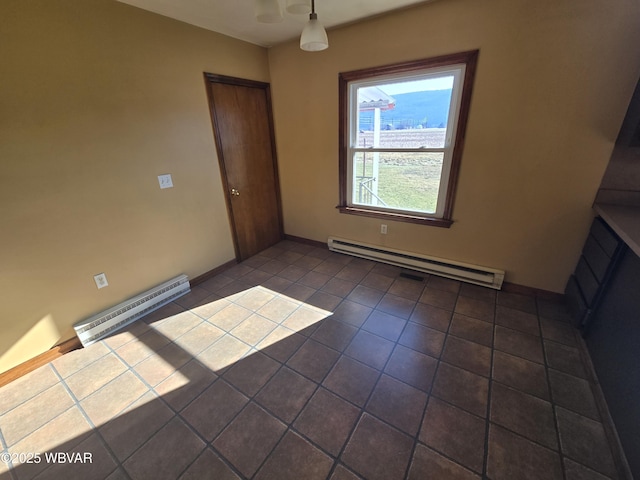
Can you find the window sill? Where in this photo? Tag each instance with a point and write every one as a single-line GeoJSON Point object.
{"type": "Point", "coordinates": [398, 217]}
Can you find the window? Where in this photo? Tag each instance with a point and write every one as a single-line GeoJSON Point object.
{"type": "Point", "coordinates": [401, 135]}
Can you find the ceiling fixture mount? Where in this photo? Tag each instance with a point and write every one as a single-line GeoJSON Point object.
{"type": "Point", "coordinates": [314, 36]}
{"type": "Point", "coordinates": [268, 11]}
{"type": "Point", "coordinates": [298, 7]}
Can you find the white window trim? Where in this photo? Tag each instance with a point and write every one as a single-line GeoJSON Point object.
{"type": "Point", "coordinates": [461, 112]}
{"type": "Point", "coordinates": [458, 72]}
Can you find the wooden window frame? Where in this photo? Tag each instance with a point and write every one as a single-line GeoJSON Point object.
{"type": "Point", "coordinates": [469, 59]}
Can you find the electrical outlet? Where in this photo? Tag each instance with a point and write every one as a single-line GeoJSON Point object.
{"type": "Point", "coordinates": [383, 229]}
{"type": "Point", "coordinates": [165, 181]}
{"type": "Point", "coordinates": [101, 280]}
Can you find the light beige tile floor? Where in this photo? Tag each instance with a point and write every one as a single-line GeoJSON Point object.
{"type": "Point", "coordinates": [305, 364]}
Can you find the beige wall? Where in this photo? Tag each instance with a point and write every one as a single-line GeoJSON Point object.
{"type": "Point", "coordinates": [553, 82]}
{"type": "Point", "coordinates": [97, 99]}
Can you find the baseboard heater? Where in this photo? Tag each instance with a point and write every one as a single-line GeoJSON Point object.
{"type": "Point", "coordinates": [487, 277]}
{"type": "Point", "coordinates": [104, 323]}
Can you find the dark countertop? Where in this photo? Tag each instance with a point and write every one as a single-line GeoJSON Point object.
{"type": "Point", "coordinates": [624, 220]}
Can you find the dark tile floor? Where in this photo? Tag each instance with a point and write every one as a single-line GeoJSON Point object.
{"type": "Point", "coordinates": [305, 364]}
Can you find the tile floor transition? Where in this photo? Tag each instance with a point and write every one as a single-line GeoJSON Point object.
{"type": "Point", "coordinates": [305, 364]}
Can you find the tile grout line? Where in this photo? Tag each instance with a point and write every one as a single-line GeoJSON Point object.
{"type": "Point", "coordinates": [156, 398]}
{"type": "Point", "coordinates": [290, 426]}
{"type": "Point", "coordinates": [551, 396]}
{"type": "Point", "coordinates": [251, 399]}
{"type": "Point", "coordinates": [382, 372]}
{"type": "Point", "coordinates": [365, 403]}
{"type": "Point", "coordinates": [31, 432]}
{"type": "Point", "coordinates": [26, 400]}
{"type": "Point", "coordinates": [438, 359]}
{"type": "Point", "coordinates": [430, 393]}
{"type": "Point", "coordinates": [362, 408]}
{"type": "Point", "coordinates": [485, 460]}
{"type": "Point", "coordinates": [516, 354]}
{"type": "Point", "coordinates": [221, 376]}
{"type": "Point", "coordinates": [94, 429]}
{"type": "Point", "coordinates": [209, 444]}
{"type": "Point", "coordinates": [5, 450]}
{"type": "Point", "coordinates": [2, 414]}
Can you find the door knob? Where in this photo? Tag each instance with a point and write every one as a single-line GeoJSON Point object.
{"type": "Point", "coordinates": [235, 192]}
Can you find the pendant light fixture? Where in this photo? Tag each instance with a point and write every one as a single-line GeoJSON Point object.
{"type": "Point", "coordinates": [268, 11]}
{"type": "Point", "coordinates": [314, 36]}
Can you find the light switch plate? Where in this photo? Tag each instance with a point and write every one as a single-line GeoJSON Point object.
{"type": "Point", "coordinates": [101, 280]}
{"type": "Point", "coordinates": [165, 181]}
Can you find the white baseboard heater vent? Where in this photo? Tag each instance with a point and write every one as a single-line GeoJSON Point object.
{"type": "Point", "coordinates": [99, 326]}
{"type": "Point", "coordinates": [487, 277]}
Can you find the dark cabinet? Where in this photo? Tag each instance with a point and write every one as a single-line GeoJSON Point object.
{"type": "Point", "coordinates": [585, 288]}
{"type": "Point", "coordinates": [604, 296]}
{"type": "Point", "coordinates": [613, 341]}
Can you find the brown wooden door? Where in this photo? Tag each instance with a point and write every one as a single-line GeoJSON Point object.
{"type": "Point", "coordinates": [243, 129]}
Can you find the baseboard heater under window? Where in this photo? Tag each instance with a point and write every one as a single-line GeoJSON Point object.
{"type": "Point", "coordinates": [487, 277]}
{"type": "Point", "coordinates": [104, 323]}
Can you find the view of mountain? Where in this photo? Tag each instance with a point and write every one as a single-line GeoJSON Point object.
{"type": "Point", "coordinates": [429, 109]}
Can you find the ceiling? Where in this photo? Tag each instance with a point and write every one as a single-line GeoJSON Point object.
{"type": "Point", "coordinates": [235, 18]}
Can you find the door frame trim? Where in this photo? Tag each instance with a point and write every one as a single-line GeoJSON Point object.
{"type": "Point", "coordinates": [210, 78]}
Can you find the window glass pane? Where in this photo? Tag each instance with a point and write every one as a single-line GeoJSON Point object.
{"type": "Point", "coordinates": [404, 181]}
{"type": "Point", "coordinates": [404, 114]}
